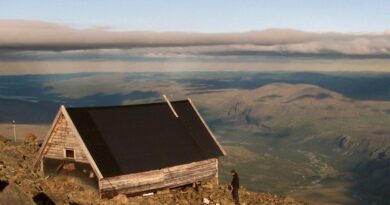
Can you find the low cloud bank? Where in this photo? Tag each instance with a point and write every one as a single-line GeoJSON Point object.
{"type": "Point", "coordinates": [20, 36]}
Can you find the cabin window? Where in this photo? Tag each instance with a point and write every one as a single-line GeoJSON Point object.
{"type": "Point", "coordinates": [69, 153]}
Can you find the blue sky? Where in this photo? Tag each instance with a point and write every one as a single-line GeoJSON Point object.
{"type": "Point", "coordinates": [207, 15]}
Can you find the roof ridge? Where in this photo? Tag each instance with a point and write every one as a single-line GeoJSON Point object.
{"type": "Point", "coordinates": [129, 105]}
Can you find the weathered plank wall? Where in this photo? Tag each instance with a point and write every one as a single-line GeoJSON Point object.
{"type": "Point", "coordinates": [63, 137]}
{"type": "Point", "coordinates": [158, 179]}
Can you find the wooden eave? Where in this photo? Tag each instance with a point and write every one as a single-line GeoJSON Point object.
{"type": "Point", "coordinates": [207, 127]}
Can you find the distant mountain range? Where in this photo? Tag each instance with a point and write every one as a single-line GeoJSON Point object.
{"type": "Point", "coordinates": [302, 139]}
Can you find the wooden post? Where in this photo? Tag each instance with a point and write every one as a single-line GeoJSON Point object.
{"type": "Point", "coordinates": [216, 175]}
{"type": "Point", "coordinates": [100, 186]}
{"type": "Point", "coordinates": [14, 125]}
{"type": "Point", "coordinates": [42, 170]}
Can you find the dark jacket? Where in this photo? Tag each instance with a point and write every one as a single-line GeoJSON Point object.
{"type": "Point", "coordinates": [235, 181]}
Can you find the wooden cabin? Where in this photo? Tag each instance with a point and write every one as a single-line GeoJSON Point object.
{"type": "Point", "coordinates": [135, 149]}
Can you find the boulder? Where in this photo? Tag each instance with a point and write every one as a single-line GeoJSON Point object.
{"type": "Point", "coordinates": [13, 194]}
{"type": "Point", "coordinates": [30, 139]}
{"type": "Point", "coordinates": [3, 139]}
{"type": "Point", "coordinates": [42, 198]}
{"type": "Point", "coordinates": [344, 141]}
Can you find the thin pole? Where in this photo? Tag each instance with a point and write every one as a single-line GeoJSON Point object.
{"type": "Point", "coordinates": [14, 124]}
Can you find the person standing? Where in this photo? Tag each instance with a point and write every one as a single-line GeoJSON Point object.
{"type": "Point", "coordinates": [235, 184]}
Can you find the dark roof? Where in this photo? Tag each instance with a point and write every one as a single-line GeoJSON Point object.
{"type": "Point", "coordinates": [135, 138]}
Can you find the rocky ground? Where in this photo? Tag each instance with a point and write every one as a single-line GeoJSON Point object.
{"type": "Point", "coordinates": [20, 185]}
